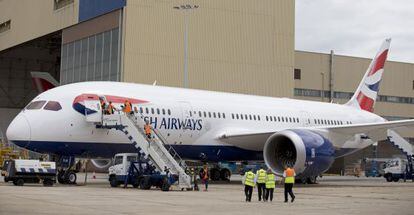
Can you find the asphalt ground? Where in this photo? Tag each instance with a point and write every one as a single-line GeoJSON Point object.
{"type": "Point", "coordinates": [332, 195]}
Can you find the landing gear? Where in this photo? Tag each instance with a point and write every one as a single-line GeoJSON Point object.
{"type": "Point", "coordinates": [67, 177]}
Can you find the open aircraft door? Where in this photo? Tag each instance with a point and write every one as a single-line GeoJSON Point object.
{"type": "Point", "coordinates": [93, 112]}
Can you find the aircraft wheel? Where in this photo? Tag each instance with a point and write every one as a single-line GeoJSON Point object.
{"type": "Point", "coordinates": [214, 174]}
{"type": "Point", "coordinates": [396, 179]}
{"type": "Point", "coordinates": [225, 174]}
{"type": "Point", "coordinates": [145, 183]}
{"type": "Point", "coordinates": [311, 180]}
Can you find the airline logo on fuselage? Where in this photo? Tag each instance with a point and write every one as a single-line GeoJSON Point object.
{"type": "Point", "coordinates": [172, 123]}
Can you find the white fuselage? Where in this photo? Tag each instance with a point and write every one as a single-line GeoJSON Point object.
{"type": "Point", "coordinates": [168, 109]}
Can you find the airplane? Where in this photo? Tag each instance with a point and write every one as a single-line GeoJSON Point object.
{"type": "Point", "coordinates": [211, 126]}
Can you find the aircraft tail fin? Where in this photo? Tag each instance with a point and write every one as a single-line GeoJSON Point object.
{"type": "Point", "coordinates": [43, 81]}
{"type": "Point", "coordinates": [366, 94]}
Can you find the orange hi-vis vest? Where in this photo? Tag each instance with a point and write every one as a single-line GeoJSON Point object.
{"type": "Point", "coordinates": [110, 109]}
{"type": "Point", "coordinates": [290, 176]}
{"type": "Point", "coordinates": [127, 107]}
{"type": "Point", "coordinates": [147, 129]}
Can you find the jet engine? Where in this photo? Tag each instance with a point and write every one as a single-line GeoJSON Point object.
{"type": "Point", "coordinates": [307, 151]}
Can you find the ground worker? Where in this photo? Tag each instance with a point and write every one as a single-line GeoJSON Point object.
{"type": "Point", "coordinates": [147, 130]}
{"type": "Point", "coordinates": [289, 175]}
{"type": "Point", "coordinates": [270, 185]}
{"type": "Point", "coordinates": [103, 105]}
{"type": "Point", "coordinates": [249, 183]}
{"type": "Point", "coordinates": [127, 107]}
{"type": "Point", "coordinates": [110, 108]}
{"type": "Point", "coordinates": [261, 183]}
{"type": "Point", "coordinates": [204, 175]}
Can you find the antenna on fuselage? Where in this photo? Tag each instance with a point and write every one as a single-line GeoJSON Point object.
{"type": "Point", "coordinates": [155, 83]}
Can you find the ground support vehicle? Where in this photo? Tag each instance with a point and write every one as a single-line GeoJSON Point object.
{"type": "Point", "coordinates": [29, 171]}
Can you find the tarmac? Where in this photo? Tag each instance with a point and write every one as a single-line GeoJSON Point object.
{"type": "Point", "coordinates": [332, 195]}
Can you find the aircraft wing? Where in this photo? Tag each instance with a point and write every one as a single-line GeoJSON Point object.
{"type": "Point", "coordinates": [375, 131]}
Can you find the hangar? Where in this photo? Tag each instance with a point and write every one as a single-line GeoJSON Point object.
{"type": "Point", "coordinates": [231, 45]}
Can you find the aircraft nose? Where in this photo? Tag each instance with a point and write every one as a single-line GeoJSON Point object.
{"type": "Point", "coordinates": [19, 129]}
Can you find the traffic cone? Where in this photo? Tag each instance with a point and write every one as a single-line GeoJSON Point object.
{"type": "Point", "coordinates": [94, 175]}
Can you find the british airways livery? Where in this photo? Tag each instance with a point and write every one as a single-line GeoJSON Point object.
{"type": "Point", "coordinates": [211, 126]}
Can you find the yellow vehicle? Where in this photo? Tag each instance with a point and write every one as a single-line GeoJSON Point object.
{"type": "Point", "coordinates": [7, 152]}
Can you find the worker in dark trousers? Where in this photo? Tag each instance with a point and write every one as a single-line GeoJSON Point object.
{"type": "Point", "coordinates": [289, 175]}
{"type": "Point", "coordinates": [110, 109]}
{"type": "Point", "coordinates": [270, 185]}
{"type": "Point", "coordinates": [204, 175]}
{"type": "Point", "coordinates": [127, 107]}
{"type": "Point", "coordinates": [249, 182]}
{"type": "Point", "coordinates": [261, 183]}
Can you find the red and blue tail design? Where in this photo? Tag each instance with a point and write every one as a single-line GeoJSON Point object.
{"type": "Point", "coordinates": [367, 91]}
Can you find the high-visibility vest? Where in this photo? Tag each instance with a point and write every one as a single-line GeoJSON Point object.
{"type": "Point", "coordinates": [249, 180]}
{"type": "Point", "coordinates": [270, 181]}
{"type": "Point", "coordinates": [110, 109]}
{"type": "Point", "coordinates": [127, 108]}
{"type": "Point", "coordinates": [147, 129]}
{"type": "Point", "coordinates": [290, 176]}
{"type": "Point", "coordinates": [261, 176]}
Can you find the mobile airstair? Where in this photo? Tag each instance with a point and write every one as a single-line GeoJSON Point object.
{"type": "Point", "coordinates": [162, 155]}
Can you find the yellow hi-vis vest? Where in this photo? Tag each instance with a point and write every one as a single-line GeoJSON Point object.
{"type": "Point", "coordinates": [290, 176]}
{"type": "Point", "coordinates": [270, 181]}
{"type": "Point", "coordinates": [261, 176]}
{"type": "Point", "coordinates": [249, 180]}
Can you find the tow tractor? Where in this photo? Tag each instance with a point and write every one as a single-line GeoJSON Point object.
{"type": "Point", "coordinates": [29, 171]}
{"type": "Point", "coordinates": [133, 169]}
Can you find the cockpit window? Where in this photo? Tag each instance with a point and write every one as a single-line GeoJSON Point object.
{"type": "Point", "coordinates": [35, 105]}
{"type": "Point", "coordinates": [52, 105]}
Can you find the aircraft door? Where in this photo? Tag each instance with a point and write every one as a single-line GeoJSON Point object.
{"type": "Point", "coordinates": [305, 118]}
{"type": "Point", "coordinates": [186, 121]}
{"type": "Point", "coordinates": [93, 112]}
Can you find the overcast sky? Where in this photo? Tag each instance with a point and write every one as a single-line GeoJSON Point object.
{"type": "Point", "coordinates": [356, 27]}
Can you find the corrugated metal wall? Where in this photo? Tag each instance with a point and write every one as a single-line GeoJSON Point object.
{"type": "Point", "coordinates": [234, 45]}
{"type": "Point", "coordinates": [348, 71]}
{"type": "Point", "coordinates": [33, 19]}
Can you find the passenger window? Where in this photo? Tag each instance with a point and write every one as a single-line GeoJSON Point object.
{"type": "Point", "coordinates": [158, 111]}
{"type": "Point", "coordinates": [245, 117]}
{"type": "Point", "coordinates": [146, 110]}
{"type": "Point", "coordinates": [35, 105]}
{"type": "Point", "coordinates": [140, 110]}
{"type": "Point", "coordinates": [241, 116]}
{"type": "Point", "coordinates": [250, 116]}
{"type": "Point", "coordinates": [52, 105]}
{"type": "Point", "coordinates": [224, 116]}
{"type": "Point", "coordinates": [267, 118]}
{"type": "Point", "coordinates": [163, 111]}
{"type": "Point", "coordinates": [209, 114]}
{"type": "Point", "coordinates": [169, 112]}
{"type": "Point", "coordinates": [274, 118]}
{"type": "Point", "coordinates": [254, 117]}
{"type": "Point", "coordinates": [118, 160]}
{"type": "Point", "coordinates": [205, 114]}
{"type": "Point", "coordinates": [232, 115]}
{"type": "Point", "coordinates": [237, 116]}
{"type": "Point", "coordinates": [191, 114]}
{"type": "Point", "coordinates": [214, 114]}
{"type": "Point", "coordinates": [152, 110]}
{"type": "Point", "coordinates": [219, 115]}
{"type": "Point", "coordinates": [258, 117]}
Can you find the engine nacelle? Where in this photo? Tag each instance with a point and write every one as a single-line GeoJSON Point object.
{"type": "Point", "coordinates": [307, 151]}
